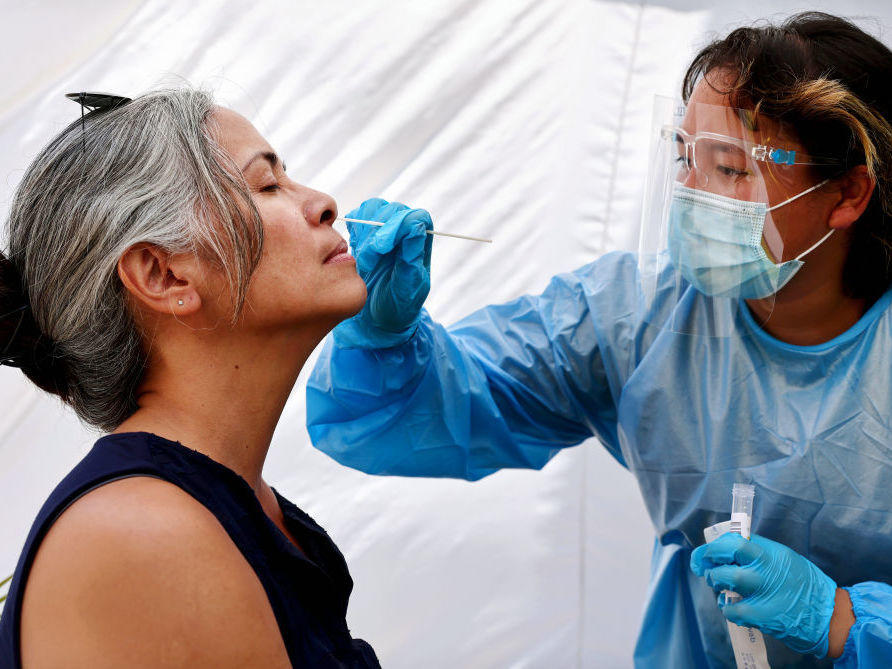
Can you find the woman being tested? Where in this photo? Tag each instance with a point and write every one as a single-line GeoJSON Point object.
{"type": "Point", "coordinates": [750, 341]}
{"type": "Point", "coordinates": [168, 280]}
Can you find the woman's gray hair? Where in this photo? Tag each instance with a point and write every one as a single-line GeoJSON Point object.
{"type": "Point", "coordinates": [149, 171]}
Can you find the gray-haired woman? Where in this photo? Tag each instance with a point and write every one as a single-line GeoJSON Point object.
{"type": "Point", "coordinates": [167, 279]}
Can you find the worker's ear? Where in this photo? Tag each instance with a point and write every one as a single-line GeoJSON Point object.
{"type": "Point", "coordinates": [855, 190]}
{"type": "Point", "coordinates": [159, 281]}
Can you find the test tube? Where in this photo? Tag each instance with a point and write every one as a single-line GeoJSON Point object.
{"type": "Point", "coordinates": [741, 516]}
{"type": "Point", "coordinates": [742, 508]}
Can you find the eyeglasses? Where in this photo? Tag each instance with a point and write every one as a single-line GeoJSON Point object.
{"type": "Point", "coordinates": [741, 148]}
{"type": "Point", "coordinates": [721, 159]}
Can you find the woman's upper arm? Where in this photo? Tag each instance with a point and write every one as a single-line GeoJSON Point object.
{"type": "Point", "coordinates": [137, 573]}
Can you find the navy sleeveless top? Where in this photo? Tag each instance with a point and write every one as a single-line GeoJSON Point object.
{"type": "Point", "coordinates": [308, 590]}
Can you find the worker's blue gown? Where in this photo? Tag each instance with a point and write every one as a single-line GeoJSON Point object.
{"type": "Point", "coordinates": [689, 415]}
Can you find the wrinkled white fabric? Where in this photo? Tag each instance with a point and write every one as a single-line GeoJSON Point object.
{"type": "Point", "coordinates": [520, 120]}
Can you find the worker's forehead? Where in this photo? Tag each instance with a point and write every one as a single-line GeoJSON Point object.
{"type": "Point", "coordinates": [710, 111]}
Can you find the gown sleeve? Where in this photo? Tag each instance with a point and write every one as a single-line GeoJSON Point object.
{"type": "Point", "coordinates": [869, 643]}
{"type": "Point", "coordinates": [508, 386]}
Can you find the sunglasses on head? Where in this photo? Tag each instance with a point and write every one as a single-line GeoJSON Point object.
{"type": "Point", "coordinates": [97, 103]}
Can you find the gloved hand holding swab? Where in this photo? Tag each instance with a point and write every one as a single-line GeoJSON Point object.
{"type": "Point", "coordinates": [394, 261]}
{"type": "Point", "coordinates": [430, 232]}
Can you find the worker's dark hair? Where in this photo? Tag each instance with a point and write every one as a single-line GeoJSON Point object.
{"type": "Point", "coordinates": [833, 83]}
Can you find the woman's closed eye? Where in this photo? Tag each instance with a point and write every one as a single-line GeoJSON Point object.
{"type": "Point", "coordinates": [272, 184]}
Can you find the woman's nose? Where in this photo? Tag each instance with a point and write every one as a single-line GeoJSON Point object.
{"type": "Point", "coordinates": [320, 209]}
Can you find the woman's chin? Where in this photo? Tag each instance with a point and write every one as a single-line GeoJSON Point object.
{"type": "Point", "coordinates": [349, 301]}
{"type": "Point", "coordinates": [359, 296]}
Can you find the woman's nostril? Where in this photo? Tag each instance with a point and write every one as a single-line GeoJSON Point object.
{"type": "Point", "coordinates": [327, 215]}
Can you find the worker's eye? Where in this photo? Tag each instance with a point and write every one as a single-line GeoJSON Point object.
{"type": "Point", "coordinates": [728, 171]}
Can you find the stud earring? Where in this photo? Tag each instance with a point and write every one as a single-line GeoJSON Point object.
{"type": "Point", "coordinates": [180, 302]}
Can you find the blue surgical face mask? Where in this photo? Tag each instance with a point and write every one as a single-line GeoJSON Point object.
{"type": "Point", "coordinates": [716, 244]}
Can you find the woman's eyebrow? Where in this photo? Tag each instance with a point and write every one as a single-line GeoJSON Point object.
{"type": "Point", "coordinates": [268, 155]}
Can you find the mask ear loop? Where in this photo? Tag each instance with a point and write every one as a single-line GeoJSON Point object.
{"type": "Point", "coordinates": [812, 248]}
{"type": "Point", "coordinates": [796, 197]}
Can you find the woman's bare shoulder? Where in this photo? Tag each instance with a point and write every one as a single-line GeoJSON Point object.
{"type": "Point", "coordinates": [139, 573]}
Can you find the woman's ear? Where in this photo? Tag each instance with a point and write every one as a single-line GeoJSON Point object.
{"type": "Point", "coordinates": [855, 189]}
{"type": "Point", "coordinates": [160, 281]}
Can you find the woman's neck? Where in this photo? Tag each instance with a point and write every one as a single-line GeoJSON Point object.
{"type": "Point", "coordinates": [221, 396]}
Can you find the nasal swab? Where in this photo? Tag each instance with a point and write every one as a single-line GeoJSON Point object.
{"type": "Point", "coordinates": [430, 232]}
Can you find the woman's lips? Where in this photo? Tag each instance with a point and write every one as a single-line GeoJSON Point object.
{"type": "Point", "coordinates": [338, 255]}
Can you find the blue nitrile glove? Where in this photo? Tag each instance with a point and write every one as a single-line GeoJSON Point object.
{"type": "Point", "coordinates": [783, 594]}
{"type": "Point", "coordinates": [394, 261]}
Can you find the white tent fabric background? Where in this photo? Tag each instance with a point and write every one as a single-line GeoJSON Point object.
{"type": "Point", "coordinates": [522, 120]}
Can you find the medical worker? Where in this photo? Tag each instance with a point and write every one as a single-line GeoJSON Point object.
{"type": "Point", "coordinates": [750, 340]}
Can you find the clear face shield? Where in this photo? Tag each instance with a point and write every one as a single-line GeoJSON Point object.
{"type": "Point", "coordinates": [712, 217]}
